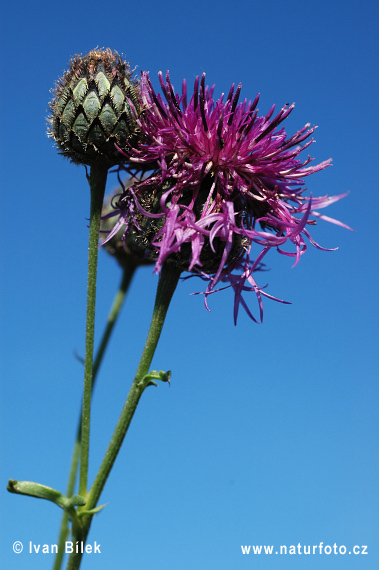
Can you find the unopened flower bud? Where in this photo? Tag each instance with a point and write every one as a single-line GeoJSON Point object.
{"type": "Point", "coordinates": [95, 106]}
{"type": "Point", "coordinates": [126, 248]}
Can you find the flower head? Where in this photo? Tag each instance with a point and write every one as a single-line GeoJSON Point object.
{"type": "Point", "coordinates": [95, 105]}
{"type": "Point", "coordinates": [221, 181]}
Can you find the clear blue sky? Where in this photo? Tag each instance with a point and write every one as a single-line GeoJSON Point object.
{"type": "Point", "coordinates": [269, 433]}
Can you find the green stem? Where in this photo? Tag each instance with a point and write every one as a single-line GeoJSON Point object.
{"type": "Point", "coordinates": [63, 536]}
{"type": "Point", "coordinates": [166, 286]}
{"type": "Point", "coordinates": [113, 314]}
{"type": "Point", "coordinates": [97, 181]}
{"type": "Point", "coordinates": [111, 321]}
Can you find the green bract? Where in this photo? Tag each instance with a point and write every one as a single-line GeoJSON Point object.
{"type": "Point", "coordinates": [95, 106]}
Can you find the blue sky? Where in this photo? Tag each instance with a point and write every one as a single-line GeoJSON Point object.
{"type": "Point", "coordinates": [269, 433]}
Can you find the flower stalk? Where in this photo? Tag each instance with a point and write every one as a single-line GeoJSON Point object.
{"type": "Point", "coordinates": [166, 286]}
{"type": "Point", "coordinates": [97, 181]}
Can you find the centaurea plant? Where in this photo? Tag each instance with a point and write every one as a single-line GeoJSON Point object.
{"type": "Point", "coordinates": [211, 188]}
{"type": "Point", "coordinates": [225, 182]}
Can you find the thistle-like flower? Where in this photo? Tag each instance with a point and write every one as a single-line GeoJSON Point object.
{"type": "Point", "coordinates": [95, 106]}
{"type": "Point", "coordinates": [222, 180]}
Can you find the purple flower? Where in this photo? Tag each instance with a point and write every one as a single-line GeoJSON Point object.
{"type": "Point", "coordinates": [218, 182]}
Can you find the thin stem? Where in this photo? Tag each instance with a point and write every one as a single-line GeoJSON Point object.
{"type": "Point", "coordinates": [97, 181]}
{"type": "Point", "coordinates": [63, 536]}
{"type": "Point", "coordinates": [166, 287]}
{"type": "Point", "coordinates": [127, 276]}
{"type": "Point", "coordinates": [114, 312]}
